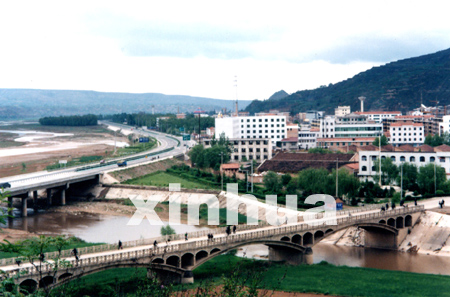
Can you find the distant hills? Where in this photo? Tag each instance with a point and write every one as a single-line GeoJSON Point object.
{"type": "Point", "coordinates": [33, 104]}
{"type": "Point", "coordinates": [400, 85]}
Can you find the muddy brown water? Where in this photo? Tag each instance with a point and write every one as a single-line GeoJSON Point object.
{"type": "Point", "coordinates": [109, 229]}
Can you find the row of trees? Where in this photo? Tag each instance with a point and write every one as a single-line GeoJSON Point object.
{"type": "Point", "coordinates": [312, 181]}
{"type": "Point", "coordinates": [76, 120]}
{"type": "Point", "coordinates": [212, 157]}
{"type": "Point", "coordinates": [427, 179]}
{"type": "Point", "coordinates": [171, 125]}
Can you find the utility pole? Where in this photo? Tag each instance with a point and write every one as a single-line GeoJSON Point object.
{"type": "Point", "coordinates": [434, 176]}
{"type": "Point", "coordinates": [337, 179]}
{"type": "Point", "coordinates": [221, 169]}
{"type": "Point", "coordinates": [252, 174]}
{"type": "Point", "coordinates": [401, 181]}
{"type": "Point", "coordinates": [379, 146]}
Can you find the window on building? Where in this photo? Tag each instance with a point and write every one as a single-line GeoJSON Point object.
{"type": "Point", "coordinates": [422, 159]}
{"type": "Point", "coordinates": [412, 159]}
{"type": "Point", "coordinates": [442, 159]}
{"type": "Point", "coordinates": [402, 159]}
{"type": "Point", "coordinates": [364, 168]}
{"type": "Point", "coordinates": [432, 159]}
{"type": "Point", "coordinates": [393, 158]}
{"type": "Point", "coordinates": [374, 158]}
{"type": "Point", "coordinates": [364, 158]}
{"type": "Point", "coordinates": [236, 157]}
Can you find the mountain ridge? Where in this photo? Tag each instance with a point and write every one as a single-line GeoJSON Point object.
{"type": "Point", "coordinates": [36, 103]}
{"type": "Point", "coordinates": [400, 85]}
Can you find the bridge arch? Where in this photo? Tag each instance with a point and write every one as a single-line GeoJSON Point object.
{"type": "Point", "coordinates": [408, 221]}
{"type": "Point", "coordinates": [30, 285]}
{"type": "Point", "coordinates": [391, 222]}
{"type": "Point", "coordinates": [297, 238]}
{"type": "Point", "coordinates": [187, 260]}
{"type": "Point", "coordinates": [285, 238]}
{"type": "Point", "coordinates": [201, 255]}
{"type": "Point", "coordinates": [318, 235]}
{"type": "Point", "coordinates": [173, 261]}
{"type": "Point", "coordinates": [382, 222]}
{"type": "Point", "coordinates": [214, 250]}
{"type": "Point", "coordinates": [64, 276]}
{"type": "Point", "coordinates": [46, 281]}
{"type": "Point", "coordinates": [308, 239]}
{"type": "Point", "coordinates": [399, 222]}
{"type": "Point", "coordinates": [158, 261]}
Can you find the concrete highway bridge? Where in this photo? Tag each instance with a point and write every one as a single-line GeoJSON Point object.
{"type": "Point", "coordinates": [174, 261]}
{"type": "Point", "coordinates": [56, 184]}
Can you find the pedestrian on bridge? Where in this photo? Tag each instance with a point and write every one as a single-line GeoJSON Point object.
{"type": "Point", "coordinates": [234, 229]}
{"type": "Point", "coordinates": [18, 262]}
{"type": "Point", "coordinates": [120, 245]}
{"type": "Point", "coordinates": [387, 206]}
{"type": "Point", "coordinates": [228, 230]}
{"type": "Point", "coordinates": [75, 253]}
{"type": "Point", "coordinates": [186, 236]}
{"type": "Point", "coordinates": [155, 244]}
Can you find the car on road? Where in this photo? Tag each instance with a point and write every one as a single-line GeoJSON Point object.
{"type": "Point", "coordinates": [5, 185]}
{"type": "Point", "coordinates": [122, 163]}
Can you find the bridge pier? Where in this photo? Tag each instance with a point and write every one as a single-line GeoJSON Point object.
{"type": "Point", "coordinates": [35, 200]}
{"type": "Point", "coordinates": [290, 256]}
{"type": "Point", "coordinates": [24, 207]}
{"type": "Point", "coordinates": [49, 197]}
{"type": "Point", "coordinates": [63, 197]}
{"type": "Point", "coordinates": [170, 277]}
{"type": "Point", "coordinates": [10, 206]}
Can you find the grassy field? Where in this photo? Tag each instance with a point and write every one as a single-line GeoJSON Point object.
{"type": "Point", "coordinates": [162, 179]}
{"type": "Point", "coordinates": [75, 243]}
{"type": "Point", "coordinates": [319, 278]}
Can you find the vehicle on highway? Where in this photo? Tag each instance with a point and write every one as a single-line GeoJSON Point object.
{"type": "Point", "coordinates": [102, 161]}
{"type": "Point", "coordinates": [122, 163]}
{"type": "Point", "coordinates": [5, 185]}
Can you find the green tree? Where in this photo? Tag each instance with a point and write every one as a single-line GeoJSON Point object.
{"type": "Point", "coordinates": [197, 155]}
{"type": "Point", "coordinates": [285, 179]}
{"type": "Point", "coordinates": [384, 140]}
{"type": "Point", "coordinates": [348, 184]}
{"type": "Point", "coordinates": [167, 230]}
{"type": "Point", "coordinates": [313, 181]}
{"type": "Point", "coordinates": [434, 140]}
{"type": "Point", "coordinates": [409, 176]}
{"type": "Point", "coordinates": [272, 182]}
{"type": "Point", "coordinates": [389, 171]}
{"type": "Point", "coordinates": [213, 156]}
{"type": "Point", "coordinates": [426, 178]}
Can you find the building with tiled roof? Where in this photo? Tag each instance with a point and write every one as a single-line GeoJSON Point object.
{"type": "Point", "coordinates": [295, 162]}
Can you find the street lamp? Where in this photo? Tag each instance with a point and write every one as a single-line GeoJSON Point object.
{"type": "Point", "coordinates": [221, 169]}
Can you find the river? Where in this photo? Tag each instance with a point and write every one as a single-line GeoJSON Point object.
{"type": "Point", "coordinates": [109, 229]}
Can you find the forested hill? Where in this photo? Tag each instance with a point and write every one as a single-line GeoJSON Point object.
{"type": "Point", "coordinates": [34, 104]}
{"type": "Point", "coordinates": [395, 86]}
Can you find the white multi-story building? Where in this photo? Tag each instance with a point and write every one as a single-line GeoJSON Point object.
{"type": "Point", "coordinates": [378, 116]}
{"type": "Point", "coordinates": [248, 149]}
{"type": "Point", "coordinates": [406, 133]}
{"type": "Point", "coordinates": [341, 111]}
{"type": "Point", "coordinates": [444, 127]}
{"type": "Point", "coordinates": [354, 125]}
{"type": "Point", "coordinates": [419, 156]}
{"type": "Point", "coordinates": [271, 127]}
{"type": "Point", "coordinates": [307, 137]}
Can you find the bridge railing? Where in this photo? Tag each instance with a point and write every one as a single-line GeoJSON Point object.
{"type": "Point", "coordinates": [147, 244]}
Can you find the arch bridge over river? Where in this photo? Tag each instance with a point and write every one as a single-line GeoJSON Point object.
{"type": "Point", "coordinates": [174, 261]}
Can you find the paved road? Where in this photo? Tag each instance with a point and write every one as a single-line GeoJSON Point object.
{"type": "Point", "coordinates": [26, 180]}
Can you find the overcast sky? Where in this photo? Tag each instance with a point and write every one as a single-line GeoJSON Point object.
{"type": "Point", "coordinates": [198, 47]}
